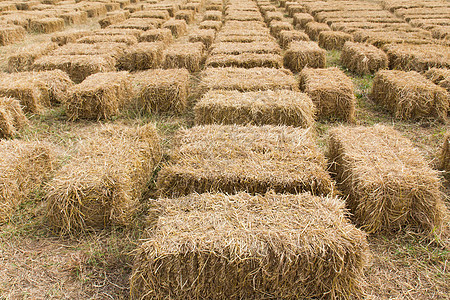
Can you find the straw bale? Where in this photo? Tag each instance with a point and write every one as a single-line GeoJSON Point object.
{"type": "Point", "coordinates": [243, 16]}
{"type": "Point", "coordinates": [78, 67]}
{"type": "Point", "coordinates": [178, 27]}
{"type": "Point", "coordinates": [382, 37]}
{"type": "Point", "coordinates": [92, 39]}
{"type": "Point", "coordinates": [132, 8]}
{"type": "Point", "coordinates": [163, 91]}
{"type": "Point", "coordinates": [273, 15]}
{"type": "Point", "coordinates": [232, 158]}
{"type": "Point", "coordinates": [212, 15]}
{"type": "Point", "coordinates": [110, 7]}
{"type": "Point", "coordinates": [136, 23]}
{"type": "Point", "coordinates": [271, 47]}
{"type": "Point", "coordinates": [115, 50]}
{"type": "Point", "coordinates": [418, 58]}
{"type": "Point", "coordinates": [46, 25]}
{"type": "Point", "coordinates": [195, 7]}
{"type": "Point", "coordinates": [188, 56]}
{"type": "Point", "coordinates": [112, 19]}
{"type": "Point", "coordinates": [363, 58]}
{"type": "Point", "coordinates": [7, 6]}
{"type": "Point", "coordinates": [103, 182]}
{"type": "Point", "coordinates": [62, 38]}
{"type": "Point", "coordinates": [171, 8]}
{"type": "Point", "coordinates": [445, 155]}
{"type": "Point", "coordinates": [187, 15]}
{"type": "Point", "coordinates": [234, 37]}
{"type": "Point", "coordinates": [24, 57]}
{"type": "Point", "coordinates": [333, 40]}
{"type": "Point", "coordinates": [142, 56]}
{"type": "Point", "coordinates": [245, 60]}
{"type": "Point", "coordinates": [119, 31]}
{"type": "Point", "coordinates": [285, 37]}
{"type": "Point", "coordinates": [301, 19]}
{"type": "Point", "coordinates": [295, 9]}
{"type": "Point", "coordinates": [12, 117]}
{"type": "Point", "coordinates": [99, 96]}
{"type": "Point", "coordinates": [10, 34]}
{"type": "Point", "coordinates": [331, 91]}
{"type": "Point", "coordinates": [249, 25]}
{"type": "Point", "coordinates": [157, 35]}
{"type": "Point", "coordinates": [388, 183]}
{"type": "Point", "coordinates": [440, 77]}
{"type": "Point", "coordinates": [24, 166]}
{"type": "Point", "coordinates": [95, 9]}
{"type": "Point", "coordinates": [440, 32]}
{"type": "Point", "coordinates": [281, 107]}
{"type": "Point", "coordinates": [240, 246]}
{"type": "Point", "coordinates": [154, 14]}
{"type": "Point", "coordinates": [205, 36]}
{"type": "Point", "coordinates": [74, 17]}
{"type": "Point", "coordinates": [314, 28]}
{"type": "Point", "coordinates": [277, 26]}
{"type": "Point", "coordinates": [302, 54]}
{"type": "Point", "coordinates": [214, 6]}
{"type": "Point", "coordinates": [216, 25]}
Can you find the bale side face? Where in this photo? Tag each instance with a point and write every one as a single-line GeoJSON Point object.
{"type": "Point", "coordinates": [46, 25]}
{"type": "Point", "coordinates": [312, 29]}
{"type": "Point", "coordinates": [24, 58]}
{"type": "Point", "coordinates": [178, 27]}
{"type": "Point", "coordinates": [301, 19]}
{"type": "Point", "coordinates": [363, 58]}
{"type": "Point", "coordinates": [12, 117]}
{"type": "Point", "coordinates": [245, 60]}
{"type": "Point", "coordinates": [205, 36]}
{"type": "Point", "coordinates": [301, 54]}
{"type": "Point", "coordinates": [285, 246]}
{"type": "Point", "coordinates": [188, 56]}
{"type": "Point", "coordinates": [10, 34]}
{"type": "Point", "coordinates": [142, 56]}
{"type": "Point", "coordinates": [285, 37]}
{"type": "Point", "coordinates": [157, 35]}
{"type": "Point", "coordinates": [333, 40]}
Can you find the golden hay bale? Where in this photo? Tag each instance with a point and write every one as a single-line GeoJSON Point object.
{"type": "Point", "coordinates": [10, 34]}
{"type": "Point", "coordinates": [136, 23]}
{"type": "Point", "coordinates": [440, 32]}
{"type": "Point", "coordinates": [171, 8]}
{"type": "Point", "coordinates": [273, 15]}
{"type": "Point", "coordinates": [245, 60]}
{"type": "Point", "coordinates": [99, 96]}
{"type": "Point", "coordinates": [445, 155]}
{"type": "Point", "coordinates": [92, 39]}
{"type": "Point", "coordinates": [243, 16]}
{"type": "Point", "coordinates": [112, 19]}
{"type": "Point", "coordinates": [252, 26]}
{"type": "Point", "coordinates": [283, 107]}
{"type": "Point", "coordinates": [265, 7]}
{"type": "Point", "coordinates": [157, 35]}
{"type": "Point", "coordinates": [409, 95]}
{"type": "Point", "coordinates": [78, 67]}
{"type": "Point", "coordinates": [154, 14]}
{"type": "Point", "coordinates": [189, 56]}
{"type": "Point", "coordinates": [95, 9]}
{"type": "Point", "coordinates": [103, 182]}
{"type": "Point", "coordinates": [292, 10]}
{"type": "Point", "coordinates": [301, 19]}
{"type": "Point", "coordinates": [363, 58]}
{"type": "Point", "coordinates": [247, 80]}
{"type": "Point", "coordinates": [245, 36]}
{"type": "Point", "coordinates": [240, 246]}
{"type": "Point", "coordinates": [162, 90]}
{"type": "Point", "coordinates": [205, 36]}
{"type": "Point", "coordinates": [270, 47]}
{"type": "Point", "coordinates": [142, 56]}
{"type": "Point", "coordinates": [333, 40]}
{"type": "Point", "coordinates": [178, 27]}
{"type": "Point", "coordinates": [231, 158]}
{"type": "Point", "coordinates": [285, 37]}
{"type": "Point", "coordinates": [46, 25]}
{"type": "Point", "coordinates": [388, 182]}
{"type": "Point", "coordinates": [115, 50]}
{"type": "Point", "coordinates": [12, 117]}
{"type": "Point", "coordinates": [418, 58]}
{"type": "Point", "coordinates": [301, 54]}
{"type": "Point", "coordinates": [212, 15]}
{"type": "Point", "coordinates": [187, 15]}
{"type": "Point", "coordinates": [440, 77]}
{"type": "Point", "coordinates": [132, 8]}
{"type": "Point", "coordinates": [74, 17]}
{"type": "Point", "coordinates": [24, 57]}
{"type": "Point", "coordinates": [118, 31]}
{"type": "Point", "coordinates": [331, 91]}
{"type": "Point", "coordinates": [277, 26]}
{"type": "Point", "coordinates": [216, 25]}
{"type": "Point", "coordinates": [112, 7]}
{"type": "Point", "coordinates": [312, 29]}
{"type": "Point", "coordinates": [62, 38]}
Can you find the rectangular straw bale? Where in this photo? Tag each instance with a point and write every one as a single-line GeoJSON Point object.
{"type": "Point", "coordinates": [99, 96]}
{"type": "Point", "coordinates": [312, 29]}
{"type": "Point", "coordinates": [388, 183]}
{"type": "Point", "coordinates": [118, 31]}
{"type": "Point", "coordinates": [445, 155]}
{"type": "Point", "coordinates": [132, 8]}
{"type": "Point", "coordinates": [103, 182]}
{"type": "Point", "coordinates": [273, 15]}
{"type": "Point", "coordinates": [301, 19]}
{"type": "Point", "coordinates": [249, 25]}
{"type": "Point", "coordinates": [95, 9]}
{"type": "Point", "coordinates": [232, 158]}
{"type": "Point", "coordinates": [10, 34]}
{"type": "Point", "coordinates": [212, 15]}
{"type": "Point", "coordinates": [243, 16]}
{"type": "Point", "coordinates": [23, 88]}
{"type": "Point", "coordinates": [78, 67]}
{"type": "Point", "coordinates": [216, 25]}
{"type": "Point", "coordinates": [62, 38]}
{"type": "Point", "coordinates": [333, 40]}
{"type": "Point", "coordinates": [440, 77]}
{"type": "Point", "coordinates": [92, 39]}
{"type": "Point", "coordinates": [187, 15]}
{"type": "Point", "coordinates": [46, 25]}
{"type": "Point", "coordinates": [111, 19]}
{"type": "Point", "coordinates": [163, 35]}
{"type": "Point", "coordinates": [363, 58]}
{"type": "Point", "coordinates": [245, 60]}
{"type": "Point", "coordinates": [178, 27]}
{"type": "Point", "coordinates": [282, 107]}
{"type": "Point", "coordinates": [295, 9]}
{"type": "Point", "coordinates": [277, 26]}
{"type": "Point", "coordinates": [247, 247]}
{"type": "Point", "coordinates": [265, 7]}
{"type": "Point", "coordinates": [135, 23]}
{"type": "Point", "coordinates": [331, 91]}
{"type": "Point", "coordinates": [301, 54]}
{"type": "Point", "coordinates": [205, 36]}
{"type": "Point", "coordinates": [189, 56]}
{"type": "Point", "coordinates": [24, 57]}
{"type": "Point", "coordinates": [24, 166]}
{"type": "Point", "coordinates": [245, 37]}
{"type": "Point", "coordinates": [270, 47]}
{"type": "Point", "coordinates": [74, 17]}
{"type": "Point", "coordinates": [154, 14]}
{"type": "Point", "coordinates": [409, 95]}
{"type": "Point", "coordinates": [285, 37]}
{"type": "Point", "coordinates": [12, 117]}
{"type": "Point", "coordinates": [163, 91]}
{"type": "Point", "coordinates": [115, 50]}
{"type": "Point", "coordinates": [142, 56]}
{"type": "Point", "coordinates": [247, 80]}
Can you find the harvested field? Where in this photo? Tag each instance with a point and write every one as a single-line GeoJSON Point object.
{"type": "Point", "coordinates": [12, 117]}
{"type": "Point", "coordinates": [188, 56]}
{"type": "Point", "coordinates": [245, 60]}
{"type": "Point", "coordinates": [142, 56]}
{"type": "Point", "coordinates": [388, 182]}
{"type": "Point", "coordinates": [157, 35]}
{"type": "Point", "coordinates": [331, 91]}
{"type": "Point", "coordinates": [23, 59]}
{"type": "Point", "coordinates": [301, 54]}
{"type": "Point", "coordinates": [46, 25]}
{"type": "Point", "coordinates": [409, 95]}
{"type": "Point", "coordinates": [10, 34]}
{"type": "Point", "coordinates": [285, 37]}
{"type": "Point", "coordinates": [230, 158]}
{"type": "Point", "coordinates": [272, 244]}
{"type": "Point", "coordinates": [283, 107]}
{"type": "Point", "coordinates": [440, 77]}
{"type": "Point", "coordinates": [178, 27]}
{"type": "Point", "coordinates": [205, 36]}
{"type": "Point", "coordinates": [103, 182]}
{"type": "Point", "coordinates": [122, 38]}
{"type": "Point", "coordinates": [363, 58]}
{"type": "Point", "coordinates": [333, 40]}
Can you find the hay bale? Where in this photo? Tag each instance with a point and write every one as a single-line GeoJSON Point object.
{"type": "Point", "coordinates": [245, 60]}
{"type": "Point", "coordinates": [46, 25]}
{"type": "Point", "coordinates": [277, 26]}
{"type": "Point", "coordinates": [243, 16]}
{"type": "Point", "coordinates": [388, 182]}
{"type": "Point", "coordinates": [292, 10]}
{"type": "Point", "coordinates": [301, 54]}
{"type": "Point", "coordinates": [99, 96]}
{"type": "Point", "coordinates": [193, 6]}
{"type": "Point", "coordinates": [157, 35]}
{"type": "Point", "coordinates": [333, 40]}
{"type": "Point", "coordinates": [62, 38]}
{"type": "Point", "coordinates": [249, 25]}
{"type": "Point", "coordinates": [10, 34]}
{"type": "Point", "coordinates": [163, 91]}
{"type": "Point", "coordinates": [24, 57]}
{"type": "Point", "coordinates": [275, 247]}
{"type": "Point", "coordinates": [12, 117]}
{"type": "Point", "coordinates": [154, 14]}
{"type": "Point", "coordinates": [409, 95]}
{"type": "Point", "coordinates": [112, 19]}
{"type": "Point", "coordinates": [205, 36]}
{"type": "Point", "coordinates": [312, 29]}
{"type": "Point", "coordinates": [247, 36]}
{"type": "Point", "coordinates": [78, 67]}
{"type": "Point", "coordinates": [115, 50]}
{"type": "Point", "coordinates": [178, 27]}
{"type": "Point", "coordinates": [92, 39]}
{"type": "Point", "coordinates": [285, 37]}
{"type": "Point", "coordinates": [95, 9]}
{"type": "Point", "coordinates": [440, 77]}
{"type": "Point", "coordinates": [445, 155]}
{"type": "Point", "coordinates": [212, 15]}
{"type": "Point", "coordinates": [231, 158]}
{"type": "Point", "coordinates": [74, 17]}
{"type": "Point", "coordinates": [270, 47]}
{"type": "Point", "coordinates": [363, 58]}
{"type": "Point", "coordinates": [136, 23]}
{"type": "Point", "coordinates": [142, 56]}
{"type": "Point", "coordinates": [188, 56]}
{"type": "Point", "coordinates": [301, 19]}
{"type": "Point", "coordinates": [24, 167]}
{"type": "Point", "coordinates": [119, 31]}
{"type": "Point", "coordinates": [216, 25]}
{"type": "Point", "coordinates": [103, 182]}
{"type": "Point", "coordinates": [53, 84]}
{"type": "Point", "coordinates": [273, 15]}
{"type": "Point", "coordinates": [281, 107]}
{"type": "Point", "coordinates": [187, 15]}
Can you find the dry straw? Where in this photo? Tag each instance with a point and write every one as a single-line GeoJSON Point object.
{"type": "Point", "coordinates": [363, 58]}
{"type": "Point", "coordinates": [333, 40]}
{"type": "Point", "coordinates": [187, 15]}
{"type": "Point", "coordinates": [118, 31]}
{"type": "Point", "coordinates": [216, 25]}
{"type": "Point", "coordinates": [445, 155]}
{"type": "Point", "coordinates": [270, 47]}
{"type": "Point", "coordinates": [12, 117]}
{"type": "Point", "coordinates": [23, 168]}
{"type": "Point", "coordinates": [115, 50]}
{"type": "Point", "coordinates": [136, 23]}
{"type": "Point", "coordinates": [103, 182]}
{"type": "Point", "coordinates": [252, 26]}
{"type": "Point", "coordinates": [92, 39]}
{"type": "Point", "coordinates": [312, 29]}
{"type": "Point", "coordinates": [142, 56]}
{"type": "Point", "coordinates": [301, 19]}
{"type": "Point", "coordinates": [154, 14]}
{"type": "Point", "coordinates": [281, 107]}
{"type": "Point", "coordinates": [46, 25]}
{"type": "Point", "coordinates": [24, 57]}
{"type": "Point", "coordinates": [62, 38]}
{"type": "Point", "coordinates": [285, 37]}
{"type": "Point", "coordinates": [230, 158]}
{"type": "Point", "coordinates": [243, 16]}
{"type": "Point", "coordinates": [157, 35]}
{"type": "Point", "coordinates": [178, 27]}
{"type": "Point", "coordinates": [189, 56]}
{"type": "Point", "coordinates": [440, 77]}
{"type": "Point", "coordinates": [409, 95]}
{"type": "Point", "coordinates": [251, 247]}
{"type": "Point", "coordinates": [10, 34]}
{"type": "Point", "coordinates": [246, 36]}
{"type": "Point", "coordinates": [388, 183]}
{"type": "Point", "coordinates": [273, 15]}
{"type": "Point", "coordinates": [292, 10]}
{"type": "Point", "coordinates": [277, 26]}
{"type": "Point", "coordinates": [99, 96]}
{"type": "Point", "coordinates": [212, 15]}
{"type": "Point", "coordinates": [205, 36]}
{"type": "Point", "coordinates": [245, 60]}
{"type": "Point", "coordinates": [301, 54]}
{"type": "Point", "coordinates": [74, 17]}
{"type": "Point", "coordinates": [112, 19]}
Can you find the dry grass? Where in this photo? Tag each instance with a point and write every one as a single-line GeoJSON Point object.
{"type": "Point", "coordinates": [157, 35]}
{"type": "Point", "coordinates": [142, 56]}
{"type": "Point", "coordinates": [46, 25]}
{"type": "Point", "coordinates": [285, 37]}
{"type": "Point", "coordinates": [445, 155]}
{"type": "Point", "coordinates": [12, 117]}
{"type": "Point", "coordinates": [363, 58]}
{"type": "Point", "coordinates": [178, 27]}
{"type": "Point", "coordinates": [301, 54]}
{"type": "Point", "coordinates": [188, 56]}
{"type": "Point", "coordinates": [333, 40]}
{"type": "Point", "coordinates": [440, 77]}
{"type": "Point", "coordinates": [10, 34]}
{"type": "Point", "coordinates": [24, 57]}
